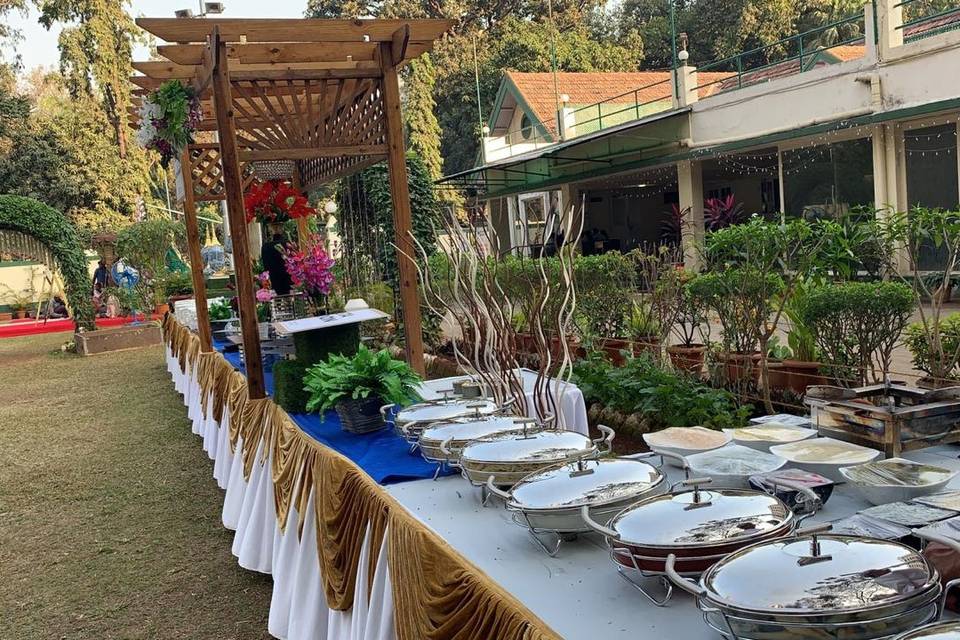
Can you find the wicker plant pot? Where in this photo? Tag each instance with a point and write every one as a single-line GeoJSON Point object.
{"type": "Point", "coordinates": [361, 415]}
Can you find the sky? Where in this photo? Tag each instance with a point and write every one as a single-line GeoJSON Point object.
{"type": "Point", "coordinates": [39, 46]}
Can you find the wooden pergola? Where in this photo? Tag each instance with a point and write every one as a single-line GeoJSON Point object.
{"type": "Point", "coordinates": [300, 99]}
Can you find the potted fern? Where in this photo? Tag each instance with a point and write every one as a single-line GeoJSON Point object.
{"type": "Point", "coordinates": [357, 386]}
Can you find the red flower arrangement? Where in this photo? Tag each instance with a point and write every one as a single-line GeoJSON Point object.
{"type": "Point", "coordinates": [275, 201]}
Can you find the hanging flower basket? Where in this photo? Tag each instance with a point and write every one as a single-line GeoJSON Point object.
{"type": "Point", "coordinates": [168, 119]}
{"type": "Point", "coordinates": [275, 201]}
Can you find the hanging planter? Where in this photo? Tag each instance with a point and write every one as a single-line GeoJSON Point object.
{"type": "Point", "coordinates": [275, 202]}
{"type": "Point", "coordinates": [168, 119]}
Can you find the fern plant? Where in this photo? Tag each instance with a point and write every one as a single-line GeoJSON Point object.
{"type": "Point", "coordinates": [365, 375]}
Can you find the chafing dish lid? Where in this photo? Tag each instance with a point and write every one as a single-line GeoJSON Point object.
{"type": "Point", "coordinates": [542, 446]}
{"type": "Point", "coordinates": [845, 574]}
{"type": "Point", "coordinates": [938, 631]}
{"type": "Point", "coordinates": [722, 516]}
{"type": "Point", "coordinates": [590, 482]}
{"type": "Point", "coordinates": [472, 429]}
{"type": "Point", "coordinates": [434, 411]}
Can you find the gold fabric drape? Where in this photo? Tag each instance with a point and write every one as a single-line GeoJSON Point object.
{"type": "Point", "coordinates": [437, 593]}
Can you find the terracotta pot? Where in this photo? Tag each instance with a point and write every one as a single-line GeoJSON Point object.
{"type": "Point", "coordinates": [687, 358]}
{"type": "Point", "coordinates": [740, 367]}
{"type": "Point", "coordinates": [161, 308]}
{"type": "Point", "coordinates": [5, 317]}
{"type": "Point", "coordinates": [929, 382]}
{"type": "Point", "coordinates": [646, 344]}
{"type": "Point", "coordinates": [613, 347]}
{"type": "Point", "coordinates": [801, 374]}
{"type": "Point", "coordinates": [20, 314]}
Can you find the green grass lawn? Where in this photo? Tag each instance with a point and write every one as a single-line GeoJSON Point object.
{"type": "Point", "coordinates": [109, 514]}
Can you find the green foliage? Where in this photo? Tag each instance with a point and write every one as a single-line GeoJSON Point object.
{"type": "Point", "coordinates": [366, 220]}
{"type": "Point", "coordinates": [64, 155]}
{"type": "Point", "coordinates": [604, 286]}
{"type": "Point", "coordinates": [944, 365]}
{"type": "Point", "coordinates": [220, 311]}
{"type": "Point", "coordinates": [178, 283]}
{"type": "Point", "coordinates": [50, 227]}
{"type": "Point", "coordinates": [759, 244]}
{"type": "Point", "coordinates": [316, 346]}
{"type": "Point", "coordinates": [742, 298]}
{"type": "Point", "coordinates": [289, 393]}
{"type": "Point", "coordinates": [144, 246]}
{"type": "Point", "coordinates": [663, 398]}
{"type": "Point", "coordinates": [800, 336]}
{"type": "Point", "coordinates": [856, 326]}
{"type": "Point", "coordinates": [174, 100]}
{"type": "Point", "coordinates": [366, 374]}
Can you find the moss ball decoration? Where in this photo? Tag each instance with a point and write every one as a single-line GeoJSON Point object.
{"type": "Point", "coordinates": [314, 346]}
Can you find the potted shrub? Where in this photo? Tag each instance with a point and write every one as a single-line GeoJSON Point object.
{"type": "Point", "coordinates": [918, 342]}
{"type": "Point", "coordinates": [688, 355]}
{"type": "Point", "coordinates": [357, 386]}
{"type": "Point", "coordinates": [144, 246]}
{"type": "Point", "coordinates": [917, 232]}
{"type": "Point", "coordinates": [178, 285]}
{"type": "Point", "coordinates": [801, 364]}
{"type": "Point", "coordinates": [644, 329]}
{"type": "Point", "coordinates": [856, 326]}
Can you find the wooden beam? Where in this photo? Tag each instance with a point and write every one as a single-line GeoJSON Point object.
{"type": "Point", "coordinates": [233, 185]}
{"type": "Point", "coordinates": [193, 247]}
{"type": "Point", "coordinates": [402, 219]}
{"type": "Point", "coordinates": [314, 152]}
{"type": "Point", "coordinates": [399, 42]}
{"type": "Point", "coordinates": [279, 71]}
{"type": "Point", "coordinates": [276, 52]}
{"type": "Point", "coordinates": [291, 29]}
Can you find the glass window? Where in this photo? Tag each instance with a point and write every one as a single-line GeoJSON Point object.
{"type": "Point", "coordinates": [931, 159]}
{"type": "Point", "coordinates": [827, 180]}
{"type": "Point", "coordinates": [526, 127]}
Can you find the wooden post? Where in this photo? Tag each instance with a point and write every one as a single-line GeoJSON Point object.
{"type": "Point", "coordinates": [400, 195]}
{"type": "Point", "coordinates": [193, 246]}
{"type": "Point", "coordinates": [303, 226]}
{"type": "Point", "coordinates": [233, 186]}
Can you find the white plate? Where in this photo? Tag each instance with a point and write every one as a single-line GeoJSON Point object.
{"type": "Point", "coordinates": [685, 441]}
{"type": "Point", "coordinates": [763, 436]}
{"type": "Point", "coordinates": [896, 480]}
{"type": "Point", "coordinates": [731, 466]}
{"type": "Point", "coordinates": [824, 455]}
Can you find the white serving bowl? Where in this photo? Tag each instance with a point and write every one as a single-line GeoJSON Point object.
{"type": "Point", "coordinates": [763, 436]}
{"type": "Point", "coordinates": [685, 441]}
{"type": "Point", "coordinates": [824, 455]}
{"type": "Point", "coordinates": [896, 480]}
{"type": "Point", "coordinates": [730, 467]}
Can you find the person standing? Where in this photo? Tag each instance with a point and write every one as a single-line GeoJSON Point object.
{"type": "Point", "coordinates": [101, 276]}
{"type": "Point", "coordinates": [273, 262]}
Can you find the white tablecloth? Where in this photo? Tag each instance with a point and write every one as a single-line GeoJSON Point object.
{"type": "Point", "coordinates": [573, 411]}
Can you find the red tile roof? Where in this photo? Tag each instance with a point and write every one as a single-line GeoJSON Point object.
{"type": "Point", "coordinates": [584, 89]}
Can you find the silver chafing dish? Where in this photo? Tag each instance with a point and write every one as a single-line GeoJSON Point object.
{"type": "Point", "coordinates": [936, 631]}
{"type": "Point", "coordinates": [411, 421]}
{"type": "Point", "coordinates": [442, 442]}
{"type": "Point", "coordinates": [508, 458]}
{"type": "Point", "coordinates": [697, 526]}
{"type": "Point", "coordinates": [548, 502]}
{"type": "Point", "coordinates": [817, 587]}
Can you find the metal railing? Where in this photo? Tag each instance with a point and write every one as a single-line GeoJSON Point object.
{"type": "Point", "coordinates": [913, 25]}
{"type": "Point", "coordinates": [786, 56]}
{"type": "Point", "coordinates": [616, 110]}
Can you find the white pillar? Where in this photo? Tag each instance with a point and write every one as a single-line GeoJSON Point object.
{"type": "Point", "coordinates": [889, 26]}
{"type": "Point", "coordinates": [690, 185]}
{"type": "Point", "coordinates": [889, 181]}
{"type": "Point", "coordinates": [685, 92]}
{"type": "Point", "coordinates": [869, 32]}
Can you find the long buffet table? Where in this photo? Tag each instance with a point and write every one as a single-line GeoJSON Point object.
{"type": "Point", "coordinates": [417, 560]}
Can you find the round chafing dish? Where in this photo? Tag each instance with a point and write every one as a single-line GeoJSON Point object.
{"type": "Point", "coordinates": [699, 526]}
{"type": "Point", "coordinates": [508, 458]}
{"type": "Point", "coordinates": [815, 587]}
{"type": "Point", "coordinates": [410, 421]}
{"type": "Point", "coordinates": [443, 441]}
{"type": "Point", "coordinates": [549, 502]}
{"type": "Point", "coordinates": [936, 631]}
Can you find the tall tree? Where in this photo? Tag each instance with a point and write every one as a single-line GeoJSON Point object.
{"type": "Point", "coordinates": [423, 130]}
{"type": "Point", "coordinates": [9, 35]}
{"type": "Point", "coordinates": [95, 53]}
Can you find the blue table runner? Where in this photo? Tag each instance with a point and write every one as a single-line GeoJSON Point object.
{"type": "Point", "coordinates": [384, 455]}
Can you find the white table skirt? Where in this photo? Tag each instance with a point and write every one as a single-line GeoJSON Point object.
{"type": "Point", "coordinates": [573, 410]}
{"type": "Point", "coordinates": [298, 608]}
